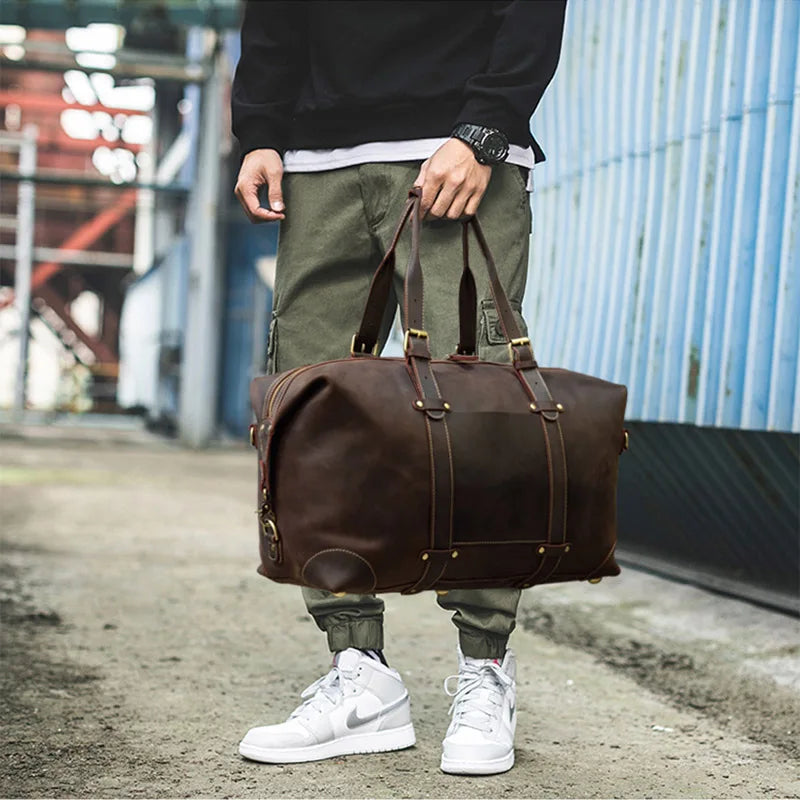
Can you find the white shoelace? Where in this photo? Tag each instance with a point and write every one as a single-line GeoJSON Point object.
{"type": "Point", "coordinates": [478, 696]}
{"type": "Point", "coordinates": [325, 693]}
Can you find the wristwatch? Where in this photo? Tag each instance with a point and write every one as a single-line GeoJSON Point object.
{"type": "Point", "coordinates": [489, 144]}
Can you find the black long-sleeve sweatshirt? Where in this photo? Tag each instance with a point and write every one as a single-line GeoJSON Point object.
{"type": "Point", "coordinates": [336, 74]}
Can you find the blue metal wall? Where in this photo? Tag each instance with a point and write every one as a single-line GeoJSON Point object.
{"type": "Point", "coordinates": [666, 248]}
{"type": "Point", "coordinates": [245, 244]}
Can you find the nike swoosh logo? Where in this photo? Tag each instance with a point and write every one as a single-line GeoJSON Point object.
{"type": "Point", "coordinates": [353, 720]}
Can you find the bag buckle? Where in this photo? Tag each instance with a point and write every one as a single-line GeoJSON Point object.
{"type": "Point", "coordinates": [413, 332]}
{"type": "Point", "coordinates": [269, 530]}
{"type": "Point", "coordinates": [362, 351]}
{"type": "Point", "coordinates": [521, 342]}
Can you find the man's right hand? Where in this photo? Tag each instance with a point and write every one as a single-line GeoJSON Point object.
{"type": "Point", "coordinates": [261, 168]}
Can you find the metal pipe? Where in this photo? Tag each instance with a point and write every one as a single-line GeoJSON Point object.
{"type": "Point", "coordinates": [57, 57]}
{"type": "Point", "coordinates": [143, 250]}
{"type": "Point", "coordinates": [89, 258]}
{"type": "Point", "coordinates": [34, 101]}
{"type": "Point", "coordinates": [26, 213]}
{"type": "Point", "coordinates": [200, 368]}
{"type": "Point", "coordinates": [60, 179]}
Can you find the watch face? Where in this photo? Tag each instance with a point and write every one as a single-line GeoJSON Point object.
{"type": "Point", "coordinates": [495, 147]}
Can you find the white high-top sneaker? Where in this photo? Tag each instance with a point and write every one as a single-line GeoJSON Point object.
{"type": "Point", "coordinates": [480, 738]}
{"type": "Point", "coordinates": [360, 706]}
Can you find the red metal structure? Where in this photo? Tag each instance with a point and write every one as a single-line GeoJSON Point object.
{"type": "Point", "coordinates": [68, 218]}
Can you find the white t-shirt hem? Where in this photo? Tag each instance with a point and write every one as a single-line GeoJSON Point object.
{"type": "Point", "coordinates": [377, 152]}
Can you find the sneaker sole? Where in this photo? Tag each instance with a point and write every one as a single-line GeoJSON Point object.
{"type": "Point", "coordinates": [375, 742]}
{"type": "Point", "coordinates": [492, 767]}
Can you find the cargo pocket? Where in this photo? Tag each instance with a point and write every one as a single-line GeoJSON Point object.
{"type": "Point", "coordinates": [492, 344]}
{"type": "Point", "coordinates": [272, 345]}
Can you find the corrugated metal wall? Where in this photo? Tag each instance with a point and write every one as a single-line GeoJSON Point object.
{"type": "Point", "coordinates": [667, 218]}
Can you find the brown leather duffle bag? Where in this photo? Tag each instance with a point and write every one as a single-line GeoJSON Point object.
{"type": "Point", "coordinates": [405, 474]}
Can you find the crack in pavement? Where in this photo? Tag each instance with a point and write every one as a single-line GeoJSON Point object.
{"type": "Point", "coordinates": [756, 707]}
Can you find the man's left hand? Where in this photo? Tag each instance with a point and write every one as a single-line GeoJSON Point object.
{"type": "Point", "coordinates": [452, 181]}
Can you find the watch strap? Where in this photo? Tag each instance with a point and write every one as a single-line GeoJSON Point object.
{"type": "Point", "coordinates": [475, 136]}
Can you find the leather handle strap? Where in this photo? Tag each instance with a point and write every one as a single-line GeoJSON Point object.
{"type": "Point", "coordinates": [413, 303]}
{"type": "Point", "coordinates": [413, 288]}
{"type": "Point", "coordinates": [508, 323]}
{"type": "Point", "coordinates": [522, 355]}
{"type": "Point", "coordinates": [367, 335]}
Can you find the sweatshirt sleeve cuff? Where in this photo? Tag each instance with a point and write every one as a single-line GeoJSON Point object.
{"type": "Point", "coordinates": [261, 138]}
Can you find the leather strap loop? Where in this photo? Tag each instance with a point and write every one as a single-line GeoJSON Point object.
{"type": "Point", "coordinates": [366, 338]}
{"type": "Point", "coordinates": [436, 563]}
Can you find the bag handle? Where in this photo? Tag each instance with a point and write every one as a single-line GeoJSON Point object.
{"type": "Point", "coordinates": [366, 338]}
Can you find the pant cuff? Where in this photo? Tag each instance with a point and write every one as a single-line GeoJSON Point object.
{"type": "Point", "coordinates": [482, 645]}
{"type": "Point", "coordinates": [365, 634]}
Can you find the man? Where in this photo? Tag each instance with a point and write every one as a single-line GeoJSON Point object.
{"type": "Point", "coordinates": [340, 108]}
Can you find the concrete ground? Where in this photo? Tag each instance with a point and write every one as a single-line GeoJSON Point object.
{"type": "Point", "coordinates": [138, 644]}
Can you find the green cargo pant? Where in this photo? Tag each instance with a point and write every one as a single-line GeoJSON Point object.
{"type": "Point", "coordinates": [338, 225]}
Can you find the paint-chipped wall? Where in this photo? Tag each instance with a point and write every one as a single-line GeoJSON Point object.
{"type": "Point", "coordinates": [666, 249]}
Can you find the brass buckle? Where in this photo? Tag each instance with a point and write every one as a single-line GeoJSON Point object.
{"type": "Point", "coordinates": [413, 332]}
{"type": "Point", "coordinates": [361, 352]}
{"type": "Point", "coordinates": [273, 540]}
{"type": "Point", "coordinates": [517, 343]}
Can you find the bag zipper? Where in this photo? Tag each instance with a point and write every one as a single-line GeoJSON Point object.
{"type": "Point", "coordinates": [274, 391]}
{"type": "Point", "coordinates": [272, 404]}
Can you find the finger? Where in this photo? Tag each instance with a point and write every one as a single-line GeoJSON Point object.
{"type": "Point", "coordinates": [444, 200]}
{"type": "Point", "coordinates": [248, 197]}
{"type": "Point", "coordinates": [472, 204]}
{"type": "Point", "coordinates": [456, 210]}
{"type": "Point", "coordinates": [419, 181]}
{"type": "Point", "coordinates": [430, 188]}
{"type": "Point", "coordinates": [275, 193]}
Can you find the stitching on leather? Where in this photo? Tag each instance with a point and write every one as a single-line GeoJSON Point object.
{"type": "Point", "coordinates": [413, 373]}
{"type": "Point", "coordinates": [433, 483]}
{"type": "Point", "coordinates": [549, 458]}
{"type": "Point", "coordinates": [458, 583]}
{"type": "Point", "coordinates": [439, 576]}
{"type": "Point", "coordinates": [282, 388]}
{"type": "Point", "coordinates": [557, 561]}
{"type": "Point", "coordinates": [548, 455]}
{"type": "Point", "coordinates": [546, 388]}
{"type": "Point", "coordinates": [429, 584]}
{"type": "Point", "coordinates": [531, 577]}
{"type": "Point", "coordinates": [271, 429]}
{"type": "Point", "coordinates": [450, 461]}
{"type": "Point", "coordinates": [566, 478]}
{"type": "Point", "coordinates": [526, 387]}
{"type": "Point", "coordinates": [422, 577]}
{"type": "Point", "coordinates": [602, 563]}
{"type": "Point", "coordinates": [503, 541]}
{"type": "Point", "coordinates": [341, 550]}
{"type": "Point", "coordinates": [452, 481]}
